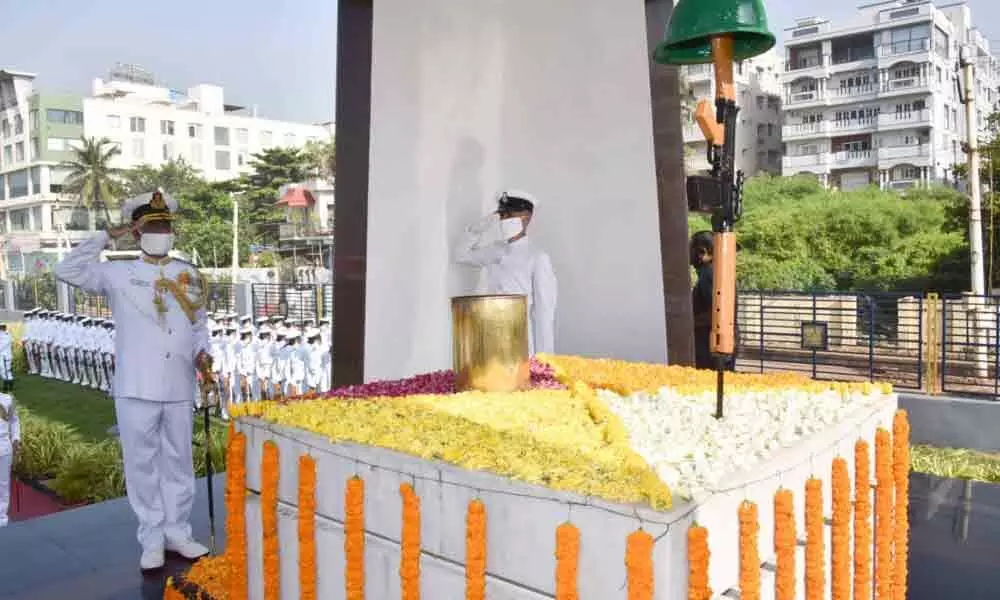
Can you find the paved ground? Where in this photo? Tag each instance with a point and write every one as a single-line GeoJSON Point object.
{"type": "Point", "coordinates": [91, 554]}
{"type": "Point", "coordinates": [88, 553]}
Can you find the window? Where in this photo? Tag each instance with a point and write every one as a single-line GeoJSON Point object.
{"type": "Point", "coordinates": [36, 185]}
{"type": "Point", "coordinates": [940, 42]}
{"type": "Point", "coordinates": [222, 137]}
{"type": "Point", "coordinates": [808, 149]}
{"type": "Point", "coordinates": [20, 220]}
{"type": "Point", "coordinates": [196, 157]}
{"type": "Point", "coordinates": [904, 172]}
{"type": "Point", "coordinates": [266, 139]}
{"type": "Point", "coordinates": [241, 159]}
{"type": "Point", "coordinates": [194, 130]}
{"type": "Point", "coordinates": [760, 102]}
{"type": "Point", "coordinates": [114, 121]}
{"type": "Point", "coordinates": [18, 125]}
{"type": "Point", "coordinates": [137, 125]}
{"type": "Point", "coordinates": [138, 148]}
{"type": "Point", "coordinates": [36, 212]}
{"type": "Point", "coordinates": [18, 181]}
{"type": "Point", "coordinates": [168, 151]}
{"type": "Point", "coordinates": [33, 120]}
{"type": "Point", "coordinates": [8, 155]}
{"type": "Point", "coordinates": [289, 139]}
{"type": "Point", "coordinates": [770, 130]}
{"type": "Point", "coordinates": [772, 103]}
{"type": "Point", "coordinates": [166, 127]}
{"type": "Point", "coordinates": [34, 148]}
{"type": "Point", "coordinates": [242, 137]}
{"type": "Point", "coordinates": [57, 144]}
{"type": "Point", "coordinates": [57, 178]}
{"type": "Point", "coordinates": [222, 160]}
{"type": "Point", "coordinates": [909, 39]}
{"type": "Point", "coordinates": [5, 128]}
{"type": "Point", "coordinates": [66, 117]}
{"type": "Point", "coordinates": [19, 152]}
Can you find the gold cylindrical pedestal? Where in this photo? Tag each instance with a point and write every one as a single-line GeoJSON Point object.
{"type": "Point", "coordinates": [490, 343]}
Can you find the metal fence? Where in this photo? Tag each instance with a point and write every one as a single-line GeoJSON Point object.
{"type": "Point", "coordinates": [85, 303]}
{"type": "Point", "coordinates": [841, 336]}
{"type": "Point", "coordinates": [220, 297]}
{"type": "Point", "coordinates": [295, 301]}
{"type": "Point", "coordinates": [35, 291]}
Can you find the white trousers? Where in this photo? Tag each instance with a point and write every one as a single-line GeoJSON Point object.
{"type": "Point", "coordinates": [159, 471]}
{"type": "Point", "coordinates": [5, 464]}
{"type": "Point", "coordinates": [5, 367]}
{"type": "Point", "coordinates": [29, 353]}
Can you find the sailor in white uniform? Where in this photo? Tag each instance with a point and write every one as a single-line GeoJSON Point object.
{"type": "Point", "coordinates": [28, 340]}
{"type": "Point", "coordinates": [279, 365]}
{"type": "Point", "coordinates": [264, 361]}
{"type": "Point", "coordinates": [161, 341]}
{"type": "Point", "coordinates": [108, 351]}
{"type": "Point", "coordinates": [246, 364]}
{"type": "Point", "coordinates": [217, 349]}
{"type": "Point", "coordinates": [6, 360]}
{"type": "Point", "coordinates": [10, 439]}
{"type": "Point", "coordinates": [316, 361]}
{"type": "Point", "coordinates": [515, 265]}
{"type": "Point", "coordinates": [296, 370]}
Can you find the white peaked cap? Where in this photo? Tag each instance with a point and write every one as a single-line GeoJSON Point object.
{"type": "Point", "coordinates": [312, 332]}
{"type": "Point", "coordinates": [143, 199]}
{"type": "Point", "coordinates": [513, 193]}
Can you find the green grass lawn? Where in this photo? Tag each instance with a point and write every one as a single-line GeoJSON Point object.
{"type": "Point", "coordinates": [89, 412]}
{"type": "Point", "coordinates": [956, 463]}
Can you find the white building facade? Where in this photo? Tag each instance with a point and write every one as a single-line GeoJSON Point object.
{"type": "Point", "coordinates": [758, 95]}
{"type": "Point", "coordinates": [876, 102]}
{"type": "Point", "coordinates": [151, 124]}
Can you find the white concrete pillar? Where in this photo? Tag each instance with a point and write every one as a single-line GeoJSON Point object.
{"type": "Point", "coordinates": [469, 98]}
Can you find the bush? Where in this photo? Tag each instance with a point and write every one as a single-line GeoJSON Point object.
{"type": "Point", "coordinates": [19, 362]}
{"type": "Point", "coordinates": [83, 471]}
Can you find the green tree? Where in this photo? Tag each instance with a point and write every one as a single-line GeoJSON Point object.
{"type": "Point", "coordinates": [322, 158]}
{"type": "Point", "coordinates": [259, 190]}
{"type": "Point", "coordinates": [176, 177]}
{"type": "Point", "coordinates": [91, 176]}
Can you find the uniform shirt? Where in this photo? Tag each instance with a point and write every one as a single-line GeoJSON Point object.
{"type": "Point", "coordinates": [520, 268]}
{"type": "Point", "coordinates": [6, 348]}
{"type": "Point", "coordinates": [10, 425]}
{"type": "Point", "coordinates": [217, 348]}
{"type": "Point", "coordinates": [316, 356]}
{"type": "Point", "coordinates": [279, 369]}
{"type": "Point", "coordinates": [296, 364]}
{"type": "Point", "coordinates": [247, 355]}
{"type": "Point", "coordinates": [155, 352]}
{"type": "Point", "coordinates": [264, 357]}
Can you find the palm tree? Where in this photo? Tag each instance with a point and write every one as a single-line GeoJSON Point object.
{"type": "Point", "coordinates": [91, 176]}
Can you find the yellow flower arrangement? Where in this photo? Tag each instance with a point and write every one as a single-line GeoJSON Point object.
{"type": "Point", "coordinates": [626, 378]}
{"type": "Point", "coordinates": [544, 437]}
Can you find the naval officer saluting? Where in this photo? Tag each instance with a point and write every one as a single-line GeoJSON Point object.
{"type": "Point", "coordinates": [161, 339]}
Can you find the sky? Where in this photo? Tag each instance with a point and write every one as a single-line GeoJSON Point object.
{"type": "Point", "coordinates": [279, 55]}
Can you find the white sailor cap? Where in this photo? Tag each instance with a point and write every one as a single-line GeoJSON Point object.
{"type": "Point", "coordinates": [265, 330]}
{"type": "Point", "coordinates": [261, 320]}
{"type": "Point", "coordinates": [246, 319]}
{"type": "Point", "coordinates": [313, 333]}
{"type": "Point", "coordinates": [151, 206]}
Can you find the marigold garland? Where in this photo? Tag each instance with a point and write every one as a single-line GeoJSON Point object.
{"type": "Point", "coordinates": [171, 593]}
{"type": "Point", "coordinates": [567, 561]}
{"type": "Point", "coordinates": [784, 545]}
{"type": "Point", "coordinates": [269, 520]}
{"type": "Point", "coordinates": [815, 548]}
{"type": "Point", "coordinates": [354, 539]}
{"type": "Point", "coordinates": [840, 532]}
{"type": "Point", "coordinates": [883, 515]}
{"type": "Point", "coordinates": [236, 525]}
{"type": "Point", "coordinates": [307, 527]}
{"type": "Point", "coordinates": [749, 552]}
{"type": "Point", "coordinates": [475, 551]}
{"type": "Point", "coordinates": [901, 474]}
{"type": "Point", "coordinates": [409, 546]}
{"type": "Point", "coordinates": [639, 565]}
{"type": "Point", "coordinates": [862, 522]}
{"type": "Point", "coordinates": [698, 556]}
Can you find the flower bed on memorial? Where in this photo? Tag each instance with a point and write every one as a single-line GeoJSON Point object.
{"type": "Point", "coordinates": [625, 432]}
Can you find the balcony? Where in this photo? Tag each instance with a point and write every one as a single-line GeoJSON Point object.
{"type": "Point", "coordinates": [853, 125]}
{"type": "Point", "coordinates": [899, 120]}
{"type": "Point", "coordinates": [901, 184]}
{"type": "Point", "coordinates": [852, 93]}
{"type": "Point", "coordinates": [804, 162]}
{"type": "Point", "coordinates": [906, 85]}
{"type": "Point", "coordinates": [852, 159]}
{"type": "Point", "coordinates": [806, 67]}
{"type": "Point", "coordinates": [903, 48]}
{"type": "Point", "coordinates": [698, 73]}
{"type": "Point", "coordinates": [805, 97]}
{"type": "Point", "coordinates": [804, 130]}
{"type": "Point", "coordinates": [917, 153]}
{"type": "Point", "coordinates": [692, 133]}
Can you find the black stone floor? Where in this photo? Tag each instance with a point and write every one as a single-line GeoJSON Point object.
{"type": "Point", "coordinates": [91, 553]}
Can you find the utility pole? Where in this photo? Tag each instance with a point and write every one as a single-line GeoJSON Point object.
{"type": "Point", "coordinates": [236, 239]}
{"type": "Point", "coordinates": [967, 65]}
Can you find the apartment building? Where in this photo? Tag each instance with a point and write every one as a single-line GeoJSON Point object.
{"type": "Point", "coordinates": [151, 124]}
{"type": "Point", "coordinates": [875, 102]}
{"type": "Point", "coordinates": [758, 94]}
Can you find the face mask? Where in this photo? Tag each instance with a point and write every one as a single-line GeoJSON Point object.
{"type": "Point", "coordinates": [511, 228]}
{"type": "Point", "coordinates": [156, 244]}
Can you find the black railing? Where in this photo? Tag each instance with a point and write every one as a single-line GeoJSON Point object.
{"type": "Point", "coordinates": [85, 303]}
{"type": "Point", "coordinates": [839, 336]}
{"type": "Point", "coordinates": [293, 300]}
{"type": "Point", "coordinates": [220, 297]}
{"type": "Point", "coordinates": [970, 346]}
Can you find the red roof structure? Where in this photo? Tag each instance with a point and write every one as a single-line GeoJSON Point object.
{"type": "Point", "coordinates": [297, 197]}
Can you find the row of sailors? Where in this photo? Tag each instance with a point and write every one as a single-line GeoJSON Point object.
{"type": "Point", "coordinates": [267, 363]}
{"type": "Point", "coordinates": [275, 323]}
{"type": "Point", "coordinates": [72, 348]}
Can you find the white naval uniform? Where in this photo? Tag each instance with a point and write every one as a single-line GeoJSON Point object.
{"type": "Point", "coordinates": [247, 367]}
{"type": "Point", "coordinates": [6, 357]}
{"type": "Point", "coordinates": [10, 431]}
{"type": "Point", "coordinates": [264, 358]}
{"type": "Point", "coordinates": [316, 363]}
{"type": "Point", "coordinates": [28, 340]}
{"type": "Point", "coordinates": [296, 368]}
{"type": "Point", "coordinates": [154, 384]}
{"type": "Point", "coordinates": [517, 267]}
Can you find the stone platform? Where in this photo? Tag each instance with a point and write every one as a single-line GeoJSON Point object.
{"type": "Point", "coordinates": [521, 519]}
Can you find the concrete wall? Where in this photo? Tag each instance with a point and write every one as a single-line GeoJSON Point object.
{"type": "Point", "coordinates": [953, 422]}
{"type": "Point", "coordinates": [551, 97]}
